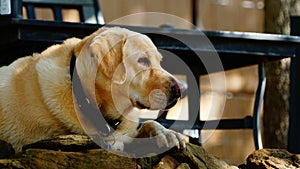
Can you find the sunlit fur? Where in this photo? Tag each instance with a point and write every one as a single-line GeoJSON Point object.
{"type": "Point", "coordinates": [36, 92]}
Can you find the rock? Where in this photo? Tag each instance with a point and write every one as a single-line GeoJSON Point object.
{"type": "Point", "coordinates": [74, 143]}
{"type": "Point", "coordinates": [70, 151]}
{"type": "Point", "coordinates": [148, 162]}
{"type": "Point", "coordinates": [271, 158]}
{"type": "Point", "coordinates": [192, 157]}
{"type": "Point", "coordinates": [183, 166]}
{"type": "Point", "coordinates": [75, 151]}
{"type": "Point", "coordinates": [6, 150]}
{"type": "Point", "coordinates": [42, 159]}
{"type": "Point", "coordinates": [196, 157]}
{"type": "Point", "coordinates": [167, 162]}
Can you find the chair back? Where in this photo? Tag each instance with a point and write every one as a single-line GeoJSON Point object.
{"type": "Point", "coordinates": [87, 10]}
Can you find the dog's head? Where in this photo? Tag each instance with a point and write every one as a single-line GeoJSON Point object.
{"type": "Point", "coordinates": [127, 65]}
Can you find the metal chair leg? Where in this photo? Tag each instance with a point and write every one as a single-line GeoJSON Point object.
{"type": "Point", "coordinates": [257, 106]}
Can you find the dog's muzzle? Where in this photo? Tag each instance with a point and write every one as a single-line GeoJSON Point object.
{"type": "Point", "coordinates": [176, 90]}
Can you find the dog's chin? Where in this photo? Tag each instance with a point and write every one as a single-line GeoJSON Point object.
{"type": "Point", "coordinates": [141, 105]}
{"type": "Point", "coordinates": [172, 104]}
{"type": "Point", "coordinates": [169, 106]}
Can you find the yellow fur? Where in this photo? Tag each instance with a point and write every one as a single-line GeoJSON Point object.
{"type": "Point", "coordinates": [36, 99]}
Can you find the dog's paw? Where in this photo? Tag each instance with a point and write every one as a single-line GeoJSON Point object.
{"type": "Point", "coordinates": [170, 138]}
{"type": "Point", "coordinates": [163, 136]}
{"type": "Point", "coordinates": [113, 143]}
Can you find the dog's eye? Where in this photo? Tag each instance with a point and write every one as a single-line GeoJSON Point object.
{"type": "Point", "coordinates": [144, 61]}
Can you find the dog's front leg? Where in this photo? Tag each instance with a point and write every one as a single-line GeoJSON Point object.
{"type": "Point", "coordinates": [125, 132]}
{"type": "Point", "coordinates": [162, 135]}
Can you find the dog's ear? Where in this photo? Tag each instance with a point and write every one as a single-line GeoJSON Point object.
{"type": "Point", "coordinates": [86, 63]}
{"type": "Point", "coordinates": [108, 50]}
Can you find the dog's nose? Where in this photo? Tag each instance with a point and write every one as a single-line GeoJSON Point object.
{"type": "Point", "coordinates": [175, 94]}
{"type": "Point", "coordinates": [175, 89]}
{"type": "Point", "coordinates": [178, 89]}
{"type": "Point", "coordinates": [183, 88]}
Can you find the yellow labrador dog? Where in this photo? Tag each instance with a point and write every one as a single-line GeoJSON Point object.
{"type": "Point", "coordinates": [120, 68]}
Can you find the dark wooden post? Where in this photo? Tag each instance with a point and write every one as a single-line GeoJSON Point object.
{"type": "Point", "coordinates": [294, 120]}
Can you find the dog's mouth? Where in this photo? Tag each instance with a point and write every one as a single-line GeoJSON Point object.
{"type": "Point", "coordinates": [141, 106]}
{"type": "Point", "coordinates": [172, 104]}
{"type": "Point", "coordinates": [169, 106]}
